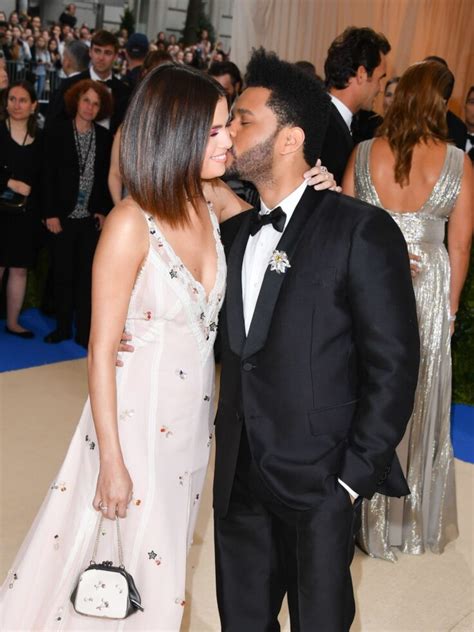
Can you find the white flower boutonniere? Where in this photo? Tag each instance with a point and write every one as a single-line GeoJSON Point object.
{"type": "Point", "coordinates": [279, 262]}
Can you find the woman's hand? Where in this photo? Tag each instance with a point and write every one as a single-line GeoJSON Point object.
{"type": "Point", "coordinates": [124, 346]}
{"type": "Point", "coordinates": [415, 264]}
{"type": "Point", "coordinates": [53, 224]}
{"type": "Point", "coordinates": [99, 220]}
{"type": "Point", "coordinates": [114, 490]}
{"type": "Point", "coordinates": [320, 178]}
{"type": "Point", "coordinates": [19, 187]}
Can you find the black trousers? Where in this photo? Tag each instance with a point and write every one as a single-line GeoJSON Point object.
{"type": "Point", "coordinates": [264, 550]}
{"type": "Point", "coordinates": [73, 251]}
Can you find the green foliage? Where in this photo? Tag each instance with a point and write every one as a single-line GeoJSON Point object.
{"type": "Point", "coordinates": [127, 21]}
{"type": "Point", "coordinates": [463, 344]}
{"type": "Point", "coordinates": [196, 21]}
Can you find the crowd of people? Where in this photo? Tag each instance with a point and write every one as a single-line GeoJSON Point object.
{"type": "Point", "coordinates": [37, 50]}
{"type": "Point", "coordinates": [338, 315]}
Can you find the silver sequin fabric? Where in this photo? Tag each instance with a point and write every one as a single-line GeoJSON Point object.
{"type": "Point", "coordinates": [426, 519]}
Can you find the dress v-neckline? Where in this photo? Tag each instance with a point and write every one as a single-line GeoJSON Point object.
{"type": "Point", "coordinates": [174, 256]}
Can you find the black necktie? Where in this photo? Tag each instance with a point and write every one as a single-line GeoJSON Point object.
{"type": "Point", "coordinates": [276, 218]}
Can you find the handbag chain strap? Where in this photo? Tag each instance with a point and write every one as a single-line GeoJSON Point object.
{"type": "Point", "coordinates": [119, 542]}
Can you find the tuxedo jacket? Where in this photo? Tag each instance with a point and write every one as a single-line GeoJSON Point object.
{"type": "Point", "coordinates": [120, 93]}
{"type": "Point", "coordinates": [338, 145]}
{"type": "Point", "coordinates": [457, 130]}
{"type": "Point", "coordinates": [325, 380]}
{"type": "Point", "coordinates": [61, 171]}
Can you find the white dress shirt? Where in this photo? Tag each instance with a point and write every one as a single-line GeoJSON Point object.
{"type": "Point", "coordinates": [258, 252]}
{"type": "Point", "coordinates": [343, 111]}
{"type": "Point", "coordinates": [95, 77]}
{"type": "Point", "coordinates": [469, 146]}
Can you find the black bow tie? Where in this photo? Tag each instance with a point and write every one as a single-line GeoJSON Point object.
{"type": "Point", "coordinates": [107, 83]}
{"type": "Point", "coordinates": [276, 218]}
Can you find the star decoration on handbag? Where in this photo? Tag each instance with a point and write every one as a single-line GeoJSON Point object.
{"type": "Point", "coordinates": [279, 262]}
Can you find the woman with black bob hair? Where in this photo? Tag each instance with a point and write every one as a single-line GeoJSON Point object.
{"type": "Point", "coordinates": [142, 445]}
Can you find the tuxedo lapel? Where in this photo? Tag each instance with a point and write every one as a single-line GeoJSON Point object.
{"type": "Point", "coordinates": [234, 301]}
{"type": "Point", "coordinates": [273, 280]}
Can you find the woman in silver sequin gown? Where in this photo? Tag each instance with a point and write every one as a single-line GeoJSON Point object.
{"type": "Point", "coordinates": [380, 173]}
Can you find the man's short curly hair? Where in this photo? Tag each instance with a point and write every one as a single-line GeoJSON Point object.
{"type": "Point", "coordinates": [297, 98]}
{"type": "Point", "coordinates": [353, 48]}
{"type": "Point", "coordinates": [75, 92]}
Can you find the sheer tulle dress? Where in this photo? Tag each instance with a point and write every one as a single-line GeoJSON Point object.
{"type": "Point", "coordinates": [165, 416]}
{"type": "Point", "coordinates": [427, 517]}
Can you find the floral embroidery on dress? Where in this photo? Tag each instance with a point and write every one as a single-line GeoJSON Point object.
{"type": "Point", "coordinates": [61, 486]}
{"type": "Point", "coordinates": [181, 374]}
{"type": "Point", "coordinates": [182, 478]}
{"type": "Point", "coordinates": [56, 542]}
{"type": "Point", "coordinates": [13, 578]}
{"type": "Point", "coordinates": [166, 431]}
{"type": "Point", "coordinates": [207, 398]}
{"type": "Point", "coordinates": [179, 601]}
{"type": "Point", "coordinates": [126, 414]}
{"type": "Point", "coordinates": [154, 557]}
{"type": "Point", "coordinates": [90, 442]}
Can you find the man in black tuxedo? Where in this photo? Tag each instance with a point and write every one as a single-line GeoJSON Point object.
{"type": "Point", "coordinates": [469, 118]}
{"type": "Point", "coordinates": [319, 368]}
{"type": "Point", "coordinates": [354, 69]}
{"type": "Point", "coordinates": [457, 130]}
{"type": "Point", "coordinates": [103, 52]}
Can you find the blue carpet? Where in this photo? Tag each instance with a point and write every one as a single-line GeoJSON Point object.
{"type": "Point", "coordinates": [462, 432]}
{"type": "Point", "coordinates": [16, 353]}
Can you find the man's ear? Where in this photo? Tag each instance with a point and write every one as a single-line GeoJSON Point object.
{"type": "Point", "coordinates": [361, 74]}
{"type": "Point", "coordinates": [291, 140]}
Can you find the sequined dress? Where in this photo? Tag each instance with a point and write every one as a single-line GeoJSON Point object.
{"type": "Point", "coordinates": [165, 417]}
{"type": "Point", "coordinates": [427, 517]}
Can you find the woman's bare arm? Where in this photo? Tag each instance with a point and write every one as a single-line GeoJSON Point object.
{"type": "Point", "coordinates": [225, 202]}
{"type": "Point", "coordinates": [348, 179]}
{"type": "Point", "coordinates": [115, 179]}
{"type": "Point", "coordinates": [460, 227]}
{"type": "Point", "coordinates": [122, 249]}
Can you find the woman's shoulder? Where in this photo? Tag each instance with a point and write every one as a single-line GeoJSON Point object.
{"type": "Point", "coordinates": [127, 218]}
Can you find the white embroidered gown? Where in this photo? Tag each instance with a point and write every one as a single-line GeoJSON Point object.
{"type": "Point", "coordinates": [166, 412]}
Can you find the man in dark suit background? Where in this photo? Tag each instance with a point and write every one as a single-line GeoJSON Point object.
{"type": "Point", "coordinates": [457, 130]}
{"type": "Point", "coordinates": [469, 118]}
{"type": "Point", "coordinates": [103, 52]}
{"type": "Point", "coordinates": [319, 367]}
{"type": "Point", "coordinates": [355, 67]}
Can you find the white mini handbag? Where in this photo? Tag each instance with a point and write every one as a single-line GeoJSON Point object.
{"type": "Point", "coordinates": [104, 590]}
